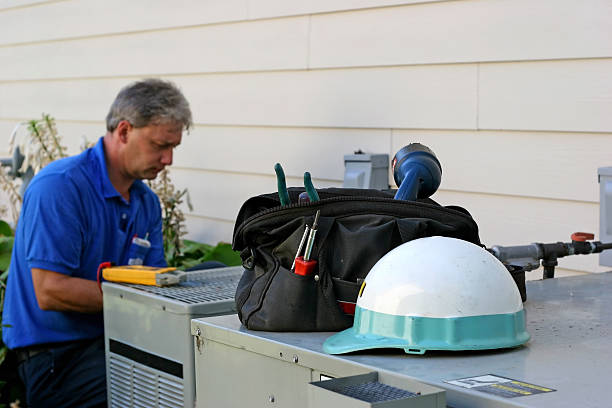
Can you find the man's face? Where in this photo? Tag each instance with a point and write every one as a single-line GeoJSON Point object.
{"type": "Point", "coordinates": [149, 149]}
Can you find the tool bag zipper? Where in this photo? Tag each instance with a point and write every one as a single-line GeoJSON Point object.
{"type": "Point", "coordinates": [294, 210]}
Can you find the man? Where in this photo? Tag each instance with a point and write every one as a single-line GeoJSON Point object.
{"type": "Point", "coordinates": [78, 212]}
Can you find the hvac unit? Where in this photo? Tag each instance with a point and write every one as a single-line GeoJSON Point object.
{"type": "Point", "coordinates": [604, 175]}
{"type": "Point", "coordinates": [149, 347]}
{"type": "Point", "coordinates": [236, 367]}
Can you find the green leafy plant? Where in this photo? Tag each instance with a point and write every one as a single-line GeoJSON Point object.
{"type": "Point", "coordinates": [194, 253]}
{"type": "Point", "coordinates": [40, 146]}
{"type": "Point", "coordinates": [43, 144]}
{"type": "Point", "coordinates": [6, 246]}
{"type": "Point", "coordinates": [10, 389]}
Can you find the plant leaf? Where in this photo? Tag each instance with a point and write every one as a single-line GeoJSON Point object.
{"type": "Point", "coordinates": [6, 244]}
{"type": "Point", "coordinates": [5, 262]}
{"type": "Point", "coordinates": [5, 229]}
{"type": "Point", "coordinates": [223, 253]}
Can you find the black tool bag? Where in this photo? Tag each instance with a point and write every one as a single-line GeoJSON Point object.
{"type": "Point", "coordinates": [356, 228]}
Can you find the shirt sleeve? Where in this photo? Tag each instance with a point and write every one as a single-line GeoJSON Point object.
{"type": "Point", "coordinates": [52, 225]}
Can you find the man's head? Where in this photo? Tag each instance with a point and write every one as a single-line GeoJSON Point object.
{"type": "Point", "coordinates": [149, 102]}
{"type": "Point", "coordinates": [145, 124]}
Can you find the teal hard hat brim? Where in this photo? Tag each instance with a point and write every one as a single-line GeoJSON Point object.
{"type": "Point", "coordinates": [415, 335]}
{"type": "Point", "coordinates": [349, 340]}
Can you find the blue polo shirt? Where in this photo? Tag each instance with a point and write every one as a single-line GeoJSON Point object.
{"type": "Point", "coordinates": [73, 219]}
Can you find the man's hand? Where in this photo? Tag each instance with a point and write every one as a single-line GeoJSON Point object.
{"type": "Point", "coordinates": [56, 291]}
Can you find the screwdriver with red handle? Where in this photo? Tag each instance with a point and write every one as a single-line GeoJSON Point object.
{"type": "Point", "coordinates": [305, 266]}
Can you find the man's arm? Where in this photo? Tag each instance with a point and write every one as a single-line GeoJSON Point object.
{"type": "Point", "coordinates": [56, 291]}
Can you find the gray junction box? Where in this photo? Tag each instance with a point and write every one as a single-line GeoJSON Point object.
{"type": "Point", "coordinates": [365, 170]}
{"type": "Point", "coordinates": [149, 347]}
{"type": "Point", "coordinates": [604, 174]}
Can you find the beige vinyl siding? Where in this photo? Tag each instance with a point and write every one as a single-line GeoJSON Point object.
{"type": "Point", "coordinates": [515, 97]}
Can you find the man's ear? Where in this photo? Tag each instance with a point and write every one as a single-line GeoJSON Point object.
{"type": "Point", "coordinates": [123, 128]}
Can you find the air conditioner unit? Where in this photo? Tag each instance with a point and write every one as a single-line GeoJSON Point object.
{"type": "Point", "coordinates": [236, 367]}
{"type": "Point", "coordinates": [604, 175]}
{"type": "Point", "coordinates": [149, 347]}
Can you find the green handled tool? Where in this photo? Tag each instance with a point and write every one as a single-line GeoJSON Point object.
{"type": "Point", "coordinates": [312, 193]}
{"type": "Point", "coordinates": [283, 195]}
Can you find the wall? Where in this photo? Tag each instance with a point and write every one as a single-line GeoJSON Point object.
{"type": "Point", "coordinates": [514, 96]}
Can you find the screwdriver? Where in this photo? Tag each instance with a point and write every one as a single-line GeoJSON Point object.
{"type": "Point", "coordinates": [302, 241]}
{"type": "Point", "coordinates": [311, 237]}
{"type": "Point", "coordinates": [303, 264]}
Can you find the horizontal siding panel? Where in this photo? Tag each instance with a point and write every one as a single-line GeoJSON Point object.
{"type": "Point", "coordinates": [560, 95]}
{"type": "Point", "coordinates": [78, 18]}
{"type": "Point", "coordinates": [518, 221]}
{"type": "Point", "coordinates": [10, 4]}
{"type": "Point", "coordinates": [283, 43]}
{"type": "Point", "coordinates": [277, 8]}
{"type": "Point", "coordinates": [70, 19]}
{"type": "Point", "coordinates": [408, 97]}
{"type": "Point", "coordinates": [535, 164]}
{"type": "Point", "coordinates": [256, 150]}
{"type": "Point", "coordinates": [463, 31]}
{"type": "Point", "coordinates": [249, 149]}
{"type": "Point", "coordinates": [72, 100]}
{"type": "Point", "coordinates": [220, 195]}
{"type": "Point", "coordinates": [208, 231]}
{"type": "Point", "coordinates": [438, 96]}
{"type": "Point", "coordinates": [261, 45]}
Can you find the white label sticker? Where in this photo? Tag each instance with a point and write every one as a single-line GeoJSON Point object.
{"type": "Point", "coordinates": [479, 381]}
{"type": "Point", "coordinates": [500, 386]}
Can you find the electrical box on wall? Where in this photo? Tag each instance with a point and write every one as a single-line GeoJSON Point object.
{"type": "Point", "coordinates": [604, 175]}
{"type": "Point", "coordinates": [365, 170]}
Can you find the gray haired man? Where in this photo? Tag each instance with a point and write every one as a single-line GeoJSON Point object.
{"type": "Point", "coordinates": [77, 213]}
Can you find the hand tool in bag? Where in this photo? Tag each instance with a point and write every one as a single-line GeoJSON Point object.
{"type": "Point", "coordinates": [140, 274]}
{"type": "Point", "coordinates": [528, 256]}
{"type": "Point", "coordinates": [417, 172]}
{"type": "Point", "coordinates": [281, 184]}
{"type": "Point", "coordinates": [303, 198]}
{"type": "Point", "coordinates": [303, 264]}
{"type": "Point", "coordinates": [310, 190]}
{"type": "Point", "coordinates": [301, 246]}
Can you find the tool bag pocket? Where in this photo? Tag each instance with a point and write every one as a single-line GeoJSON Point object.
{"type": "Point", "coordinates": [356, 228]}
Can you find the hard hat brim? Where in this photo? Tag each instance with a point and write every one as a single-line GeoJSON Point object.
{"type": "Point", "coordinates": [415, 335]}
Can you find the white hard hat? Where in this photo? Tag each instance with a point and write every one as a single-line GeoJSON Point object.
{"type": "Point", "coordinates": [435, 293]}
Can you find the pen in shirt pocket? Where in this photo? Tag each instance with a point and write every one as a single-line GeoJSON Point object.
{"type": "Point", "coordinates": [139, 247]}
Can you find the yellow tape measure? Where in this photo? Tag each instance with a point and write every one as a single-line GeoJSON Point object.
{"type": "Point", "coordinates": [142, 275]}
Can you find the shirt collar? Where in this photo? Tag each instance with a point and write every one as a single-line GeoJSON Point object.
{"type": "Point", "coordinates": [108, 190]}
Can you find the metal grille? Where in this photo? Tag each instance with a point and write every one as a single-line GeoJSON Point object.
{"type": "Point", "coordinates": [201, 287]}
{"type": "Point", "coordinates": [374, 392]}
{"type": "Point", "coordinates": [134, 385]}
